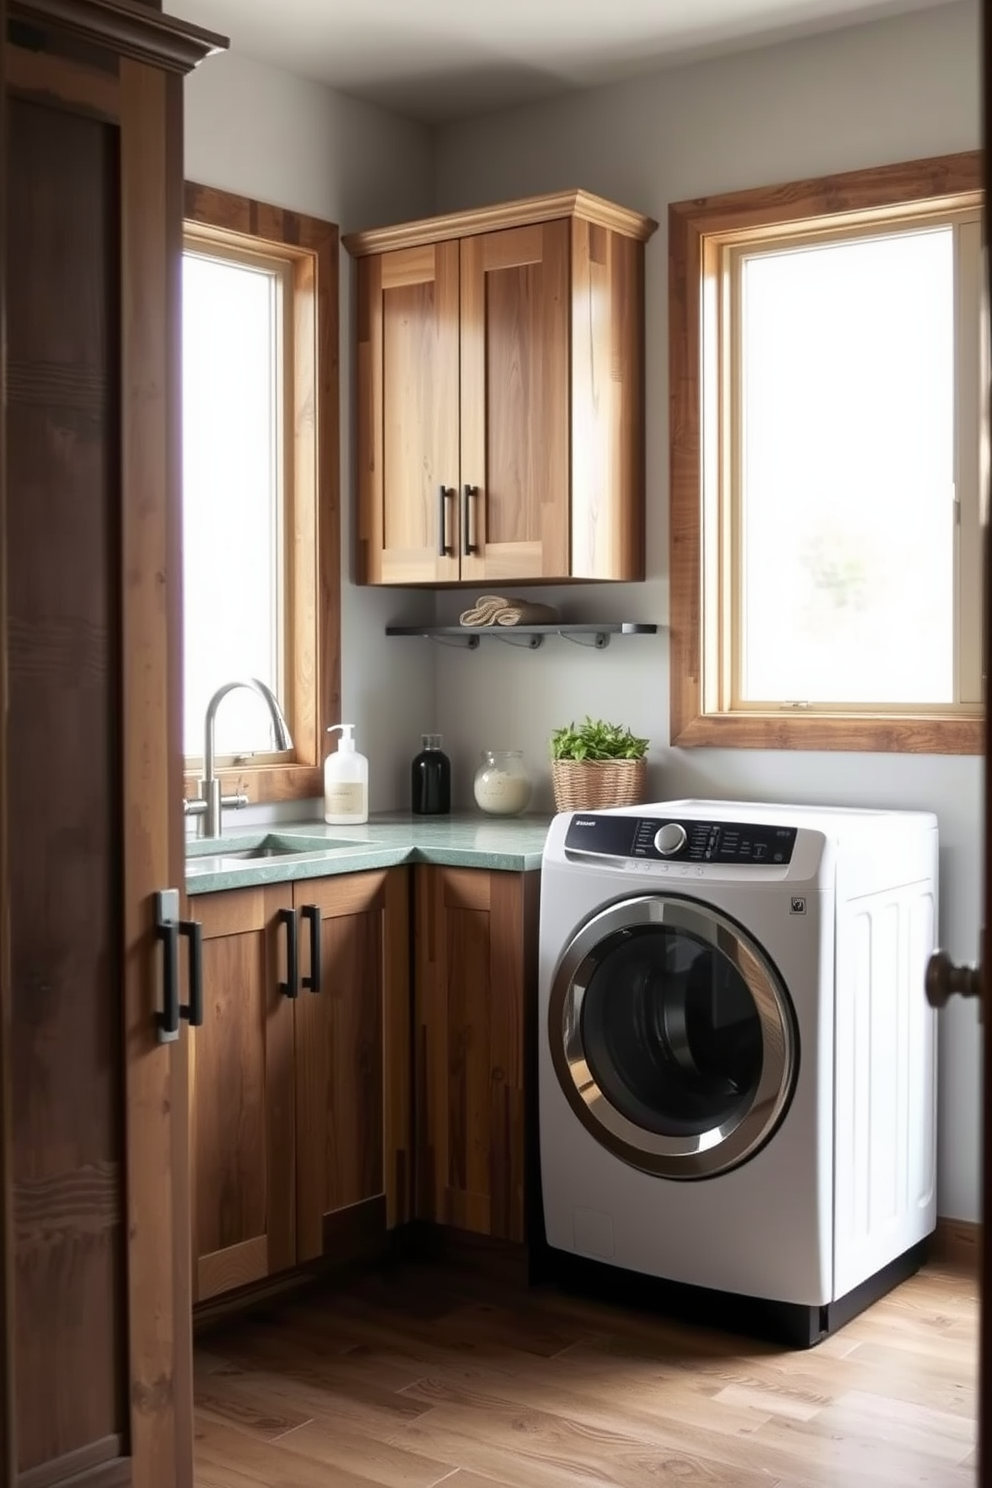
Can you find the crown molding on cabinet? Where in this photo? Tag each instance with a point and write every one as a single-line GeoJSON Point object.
{"type": "Point", "coordinates": [132, 28]}
{"type": "Point", "coordinates": [521, 213]}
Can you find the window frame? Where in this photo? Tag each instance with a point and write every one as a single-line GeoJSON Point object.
{"type": "Point", "coordinates": [698, 231]}
{"type": "Point", "coordinates": [309, 248]}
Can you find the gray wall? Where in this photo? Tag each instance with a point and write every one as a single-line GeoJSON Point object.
{"type": "Point", "coordinates": [864, 96]}
{"type": "Point", "coordinates": [264, 133]}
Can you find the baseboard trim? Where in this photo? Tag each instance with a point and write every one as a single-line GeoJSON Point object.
{"type": "Point", "coordinates": [503, 1260]}
{"type": "Point", "coordinates": [316, 1276]}
{"type": "Point", "coordinates": [99, 1465]}
{"type": "Point", "coordinates": [957, 1242]}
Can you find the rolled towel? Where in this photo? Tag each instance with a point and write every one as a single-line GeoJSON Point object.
{"type": "Point", "coordinates": [496, 609]}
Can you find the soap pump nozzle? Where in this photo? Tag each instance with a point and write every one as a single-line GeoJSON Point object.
{"type": "Point", "coordinates": [346, 743]}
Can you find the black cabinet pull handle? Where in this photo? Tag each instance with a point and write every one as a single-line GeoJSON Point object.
{"type": "Point", "coordinates": [168, 1019]}
{"type": "Point", "coordinates": [193, 1010]}
{"type": "Point", "coordinates": [291, 986]}
{"type": "Point", "coordinates": [311, 912]}
{"type": "Point", "coordinates": [443, 546]}
{"type": "Point", "coordinates": [168, 928]}
{"type": "Point", "coordinates": [467, 545]}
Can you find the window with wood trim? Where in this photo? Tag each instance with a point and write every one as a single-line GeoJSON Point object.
{"type": "Point", "coordinates": [827, 374]}
{"type": "Point", "coordinates": [261, 529]}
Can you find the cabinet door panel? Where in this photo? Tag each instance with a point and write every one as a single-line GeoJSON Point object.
{"type": "Point", "coordinates": [408, 415]}
{"type": "Point", "coordinates": [64, 752]}
{"type": "Point", "coordinates": [607, 296]}
{"type": "Point", "coordinates": [475, 964]}
{"type": "Point", "coordinates": [515, 408]}
{"type": "Point", "coordinates": [241, 1065]}
{"type": "Point", "coordinates": [351, 1134]}
{"type": "Point", "coordinates": [468, 1005]}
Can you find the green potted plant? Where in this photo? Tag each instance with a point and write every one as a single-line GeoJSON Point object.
{"type": "Point", "coordinates": [597, 764]}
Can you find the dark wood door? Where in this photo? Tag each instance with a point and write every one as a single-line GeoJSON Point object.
{"type": "Point", "coordinates": [985, 1341]}
{"type": "Point", "coordinates": [408, 415]}
{"type": "Point", "coordinates": [6, 1179]}
{"type": "Point", "coordinates": [94, 1118]}
{"type": "Point", "coordinates": [475, 964]}
{"type": "Point", "coordinates": [242, 1158]}
{"type": "Point", "coordinates": [352, 1064]}
{"type": "Point", "coordinates": [65, 758]}
{"type": "Point", "coordinates": [515, 400]}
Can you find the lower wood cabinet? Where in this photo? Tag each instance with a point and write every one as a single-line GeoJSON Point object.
{"type": "Point", "coordinates": [299, 1076]}
{"type": "Point", "coordinates": [475, 971]}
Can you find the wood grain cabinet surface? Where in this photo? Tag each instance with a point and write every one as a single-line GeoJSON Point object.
{"type": "Point", "coordinates": [501, 395]}
{"type": "Point", "coordinates": [475, 969]}
{"type": "Point", "coordinates": [299, 1105]}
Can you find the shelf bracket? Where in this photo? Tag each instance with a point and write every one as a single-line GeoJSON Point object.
{"type": "Point", "coordinates": [597, 640]}
{"type": "Point", "coordinates": [461, 643]}
{"type": "Point", "coordinates": [505, 633]}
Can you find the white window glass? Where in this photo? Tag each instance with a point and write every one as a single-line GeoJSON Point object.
{"type": "Point", "coordinates": [232, 497]}
{"type": "Point", "coordinates": [846, 461]}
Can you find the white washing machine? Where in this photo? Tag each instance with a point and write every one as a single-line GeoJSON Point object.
{"type": "Point", "coordinates": [737, 1061]}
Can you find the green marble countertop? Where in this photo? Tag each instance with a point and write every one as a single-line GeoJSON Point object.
{"type": "Point", "coordinates": [310, 849]}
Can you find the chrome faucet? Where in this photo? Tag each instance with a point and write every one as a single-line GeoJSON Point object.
{"type": "Point", "coordinates": [207, 807]}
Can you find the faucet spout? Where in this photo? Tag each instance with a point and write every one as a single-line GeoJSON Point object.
{"type": "Point", "coordinates": [209, 819]}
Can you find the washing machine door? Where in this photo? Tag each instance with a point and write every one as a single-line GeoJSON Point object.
{"type": "Point", "coordinates": [672, 1036]}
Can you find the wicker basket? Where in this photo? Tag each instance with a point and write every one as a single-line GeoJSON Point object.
{"type": "Point", "coordinates": [584, 785]}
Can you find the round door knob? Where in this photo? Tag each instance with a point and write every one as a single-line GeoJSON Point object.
{"type": "Point", "coordinates": [669, 838]}
{"type": "Point", "coordinates": [944, 978]}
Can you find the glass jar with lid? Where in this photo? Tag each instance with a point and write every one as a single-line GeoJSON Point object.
{"type": "Point", "coordinates": [502, 784]}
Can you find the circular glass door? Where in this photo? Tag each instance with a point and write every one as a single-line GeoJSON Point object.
{"type": "Point", "coordinates": [672, 1036]}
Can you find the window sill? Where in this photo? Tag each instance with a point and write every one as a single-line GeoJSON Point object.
{"type": "Point", "coordinates": [919, 734]}
{"type": "Point", "coordinates": [264, 782]}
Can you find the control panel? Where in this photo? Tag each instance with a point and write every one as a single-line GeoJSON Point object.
{"type": "Point", "coordinates": [665, 840]}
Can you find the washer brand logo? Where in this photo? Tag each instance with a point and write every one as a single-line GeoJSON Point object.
{"type": "Point", "coordinates": [797, 905]}
{"type": "Point", "coordinates": [577, 821]}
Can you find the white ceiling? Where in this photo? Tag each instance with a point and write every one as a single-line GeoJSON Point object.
{"type": "Point", "coordinates": [445, 59]}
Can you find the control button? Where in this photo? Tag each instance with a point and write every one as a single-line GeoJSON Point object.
{"type": "Point", "coordinates": [670, 838]}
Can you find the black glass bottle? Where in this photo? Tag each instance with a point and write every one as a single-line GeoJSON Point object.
{"type": "Point", "coordinates": [430, 779]}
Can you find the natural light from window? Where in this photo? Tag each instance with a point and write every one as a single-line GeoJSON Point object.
{"type": "Point", "coordinates": [846, 471]}
{"type": "Point", "coordinates": [232, 496]}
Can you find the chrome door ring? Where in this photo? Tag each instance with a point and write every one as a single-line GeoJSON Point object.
{"type": "Point", "coordinates": [725, 1145]}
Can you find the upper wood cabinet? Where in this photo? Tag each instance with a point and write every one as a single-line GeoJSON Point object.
{"type": "Point", "coordinates": [501, 395]}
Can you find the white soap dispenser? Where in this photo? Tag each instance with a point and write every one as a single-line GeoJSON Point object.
{"type": "Point", "coordinates": [346, 781]}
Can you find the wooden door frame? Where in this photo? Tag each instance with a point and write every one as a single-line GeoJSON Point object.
{"type": "Point", "coordinates": [7, 1444]}
{"type": "Point", "coordinates": [984, 1475]}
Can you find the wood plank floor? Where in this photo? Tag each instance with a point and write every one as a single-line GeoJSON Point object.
{"type": "Point", "coordinates": [418, 1376]}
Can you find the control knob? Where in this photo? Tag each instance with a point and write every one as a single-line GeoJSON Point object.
{"type": "Point", "coordinates": [669, 838]}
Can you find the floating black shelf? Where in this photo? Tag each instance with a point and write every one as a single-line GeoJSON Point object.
{"type": "Point", "coordinates": [530, 636]}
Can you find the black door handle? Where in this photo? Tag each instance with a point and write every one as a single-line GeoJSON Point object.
{"type": "Point", "coordinates": [311, 912]}
{"type": "Point", "coordinates": [168, 928]}
{"type": "Point", "coordinates": [193, 1010]}
{"type": "Point", "coordinates": [467, 545]}
{"type": "Point", "coordinates": [291, 986]}
{"type": "Point", "coordinates": [443, 546]}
